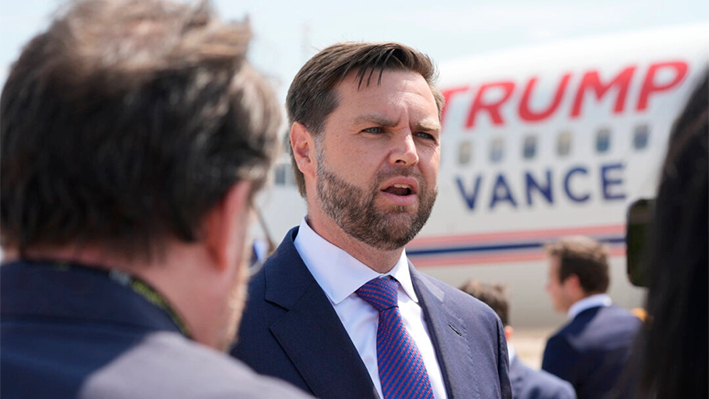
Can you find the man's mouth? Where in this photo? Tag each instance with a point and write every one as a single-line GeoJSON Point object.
{"type": "Point", "coordinates": [399, 189]}
{"type": "Point", "coordinates": [402, 191]}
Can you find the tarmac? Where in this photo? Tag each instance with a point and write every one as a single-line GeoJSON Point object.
{"type": "Point", "coordinates": [529, 344]}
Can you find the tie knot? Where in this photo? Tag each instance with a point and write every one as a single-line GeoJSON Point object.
{"type": "Point", "coordinates": [380, 293]}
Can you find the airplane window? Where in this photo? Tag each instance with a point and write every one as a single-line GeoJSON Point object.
{"type": "Point", "coordinates": [465, 153]}
{"type": "Point", "coordinates": [603, 140]}
{"type": "Point", "coordinates": [530, 147]}
{"type": "Point", "coordinates": [640, 137]}
{"type": "Point", "coordinates": [563, 145]}
{"type": "Point", "coordinates": [497, 150]}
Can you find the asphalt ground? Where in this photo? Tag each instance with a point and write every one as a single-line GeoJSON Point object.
{"type": "Point", "coordinates": [529, 344]}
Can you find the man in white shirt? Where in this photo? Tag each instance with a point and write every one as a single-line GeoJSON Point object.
{"type": "Point", "coordinates": [592, 349]}
{"type": "Point", "coordinates": [365, 145]}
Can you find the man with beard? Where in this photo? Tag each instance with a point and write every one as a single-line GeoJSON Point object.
{"type": "Point", "coordinates": [338, 309]}
{"type": "Point", "coordinates": [134, 134]}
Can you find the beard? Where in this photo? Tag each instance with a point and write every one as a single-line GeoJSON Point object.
{"type": "Point", "coordinates": [354, 210]}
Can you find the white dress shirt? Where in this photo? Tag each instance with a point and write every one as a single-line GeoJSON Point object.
{"type": "Point", "coordinates": [589, 302]}
{"type": "Point", "coordinates": [340, 275]}
{"type": "Point", "coordinates": [511, 353]}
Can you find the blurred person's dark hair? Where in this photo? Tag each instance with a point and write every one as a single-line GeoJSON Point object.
{"type": "Point", "coordinates": [673, 347]}
{"type": "Point", "coordinates": [123, 124]}
{"type": "Point", "coordinates": [311, 96]}
{"type": "Point", "coordinates": [584, 257]}
{"type": "Point", "coordinates": [493, 295]}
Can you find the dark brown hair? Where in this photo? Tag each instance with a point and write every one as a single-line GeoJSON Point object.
{"type": "Point", "coordinates": [127, 120]}
{"type": "Point", "coordinates": [674, 348]}
{"type": "Point", "coordinates": [311, 96]}
{"type": "Point", "coordinates": [585, 258]}
{"type": "Point", "coordinates": [493, 295]}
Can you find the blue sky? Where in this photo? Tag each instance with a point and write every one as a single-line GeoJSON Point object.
{"type": "Point", "coordinates": [288, 32]}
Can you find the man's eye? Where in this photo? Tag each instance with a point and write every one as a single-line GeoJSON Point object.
{"type": "Point", "coordinates": [375, 130]}
{"type": "Point", "coordinates": [425, 135]}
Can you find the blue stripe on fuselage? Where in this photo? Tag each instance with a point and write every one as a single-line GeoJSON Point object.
{"type": "Point", "coordinates": [496, 247]}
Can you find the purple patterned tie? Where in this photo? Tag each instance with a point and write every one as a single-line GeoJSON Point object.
{"type": "Point", "coordinates": [401, 369]}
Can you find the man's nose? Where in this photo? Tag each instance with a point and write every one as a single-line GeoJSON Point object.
{"type": "Point", "coordinates": [404, 151]}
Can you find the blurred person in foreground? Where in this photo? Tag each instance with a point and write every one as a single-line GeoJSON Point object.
{"type": "Point", "coordinates": [338, 309]}
{"type": "Point", "coordinates": [592, 349]}
{"type": "Point", "coordinates": [673, 347]}
{"type": "Point", "coordinates": [526, 382]}
{"type": "Point", "coordinates": [134, 136]}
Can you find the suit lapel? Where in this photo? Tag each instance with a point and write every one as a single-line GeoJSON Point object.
{"type": "Point", "coordinates": [311, 332]}
{"type": "Point", "coordinates": [449, 337]}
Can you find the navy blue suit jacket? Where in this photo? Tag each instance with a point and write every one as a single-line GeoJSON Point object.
{"type": "Point", "coordinates": [291, 331]}
{"type": "Point", "coordinates": [537, 384]}
{"type": "Point", "coordinates": [75, 333]}
{"type": "Point", "coordinates": [591, 351]}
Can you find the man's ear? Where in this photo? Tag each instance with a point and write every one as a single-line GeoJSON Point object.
{"type": "Point", "coordinates": [573, 282]}
{"type": "Point", "coordinates": [226, 225]}
{"type": "Point", "coordinates": [303, 146]}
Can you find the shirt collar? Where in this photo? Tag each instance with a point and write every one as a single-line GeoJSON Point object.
{"type": "Point", "coordinates": [338, 273]}
{"type": "Point", "coordinates": [589, 302]}
{"type": "Point", "coordinates": [511, 352]}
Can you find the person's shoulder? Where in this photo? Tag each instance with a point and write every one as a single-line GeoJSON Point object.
{"type": "Point", "coordinates": [554, 386]}
{"type": "Point", "coordinates": [167, 365]}
{"type": "Point", "coordinates": [613, 320]}
{"type": "Point", "coordinates": [619, 313]}
{"type": "Point", "coordinates": [529, 383]}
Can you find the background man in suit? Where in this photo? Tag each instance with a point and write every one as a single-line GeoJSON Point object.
{"type": "Point", "coordinates": [365, 141]}
{"type": "Point", "coordinates": [527, 383]}
{"type": "Point", "coordinates": [134, 135]}
{"type": "Point", "coordinates": [592, 349]}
